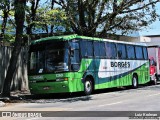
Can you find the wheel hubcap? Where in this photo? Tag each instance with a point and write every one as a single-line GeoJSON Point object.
{"type": "Point", "coordinates": [88, 86]}
{"type": "Point", "coordinates": [134, 82]}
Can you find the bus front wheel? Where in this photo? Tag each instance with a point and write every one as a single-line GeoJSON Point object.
{"type": "Point", "coordinates": [88, 86]}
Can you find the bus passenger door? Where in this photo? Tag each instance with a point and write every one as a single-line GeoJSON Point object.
{"type": "Point", "coordinates": [100, 64]}
{"type": "Point", "coordinates": [75, 81]}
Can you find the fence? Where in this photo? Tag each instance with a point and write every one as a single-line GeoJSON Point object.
{"type": "Point", "coordinates": [20, 80]}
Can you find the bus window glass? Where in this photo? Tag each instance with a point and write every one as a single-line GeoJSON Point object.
{"type": "Point", "coordinates": [86, 48]}
{"type": "Point", "coordinates": [75, 58]}
{"type": "Point", "coordinates": [130, 52]}
{"type": "Point", "coordinates": [89, 49]}
{"type": "Point", "coordinates": [139, 52]}
{"type": "Point", "coordinates": [83, 45]}
{"type": "Point", "coordinates": [121, 51]}
{"type": "Point", "coordinates": [96, 49]}
{"type": "Point", "coordinates": [145, 54]}
{"type": "Point", "coordinates": [74, 45]}
{"type": "Point", "coordinates": [111, 51]}
{"type": "Point", "coordinates": [33, 62]}
{"type": "Point", "coordinates": [37, 61]}
{"type": "Point", "coordinates": [57, 57]}
{"type": "Point", "coordinates": [48, 57]}
{"type": "Point", "coordinates": [102, 49]}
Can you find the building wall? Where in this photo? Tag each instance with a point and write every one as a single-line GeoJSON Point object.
{"type": "Point", "coordinates": [129, 39]}
{"type": "Point", "coordinates": [152, 40]}
{"type": "Point", "coordinates": [20, 80]}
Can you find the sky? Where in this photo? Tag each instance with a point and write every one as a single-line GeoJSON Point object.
{"type": "Point", "coordinates": [154, 28]}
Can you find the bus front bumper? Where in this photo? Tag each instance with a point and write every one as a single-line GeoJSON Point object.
{"type": "Point", "coordinates": [49, 87]}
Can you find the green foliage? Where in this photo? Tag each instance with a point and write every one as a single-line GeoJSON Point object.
{"type": "Point", "coordinates": [9, 38]}
{"type": "Point", "coordinates": [50, 17]}
{"type": "Point", "coordinates": [6, 26]}
{"type": "Point", "coordinates": [86, 17]}
{"type": "Point", "coordinates": [4, 4]}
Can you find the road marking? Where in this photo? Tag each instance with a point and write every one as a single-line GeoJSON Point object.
{"type": "Point", "coordinates": [111, 104]}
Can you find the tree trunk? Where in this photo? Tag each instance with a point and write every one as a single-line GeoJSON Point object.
{"type": "Point", "coordinates": [19, 20]}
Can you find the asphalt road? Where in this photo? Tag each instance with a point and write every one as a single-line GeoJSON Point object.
{"type": "Point", "coordinates": [104, 104]}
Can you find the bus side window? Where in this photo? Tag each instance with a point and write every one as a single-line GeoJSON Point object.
{"type": "Point", "coordinates": [83, 46]}
{"type": "Point", "coordinates": [145, 54]}
{"type": "Point", "coordinates": [96, 49]}
{"type": "Point", "coordinates": [102, 50]}
{"type": "Point", "coordinates": [99, 49]}
{"type": "Point", "coordinates": [139, 52]}
{"type": "Point", "coordinates": [89, 49]}
{"type": "Point", "coordinates": [130, 52]}
{"type": "Point", "coordinates": [121, 51]}
{"type": "Point", "coordinates": [86, 49]}
{"type": "Point", "coordinates": [111, 51]}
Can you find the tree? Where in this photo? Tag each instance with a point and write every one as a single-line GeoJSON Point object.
{"type": "Point", "coordinates": [99, 17]}
{"type": "Point", "coordinates": [43, 18]}
{"type": "Point", "coordinates": [32, 15]}
{"type": "Point", "coordinates": [5, 7]}
{"type": "Point", "coordinates": [49, 20]}
{"type": "Point", "coordinates": [19, 15]}
{"type": "Point", "coordinates": [7, 25]}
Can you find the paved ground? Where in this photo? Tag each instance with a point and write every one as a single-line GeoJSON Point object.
{"type": "Point", "coordinates": [145, 99]}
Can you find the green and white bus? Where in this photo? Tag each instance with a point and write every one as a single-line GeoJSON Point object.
{"type": "Point", "coordinates": [73, 63]}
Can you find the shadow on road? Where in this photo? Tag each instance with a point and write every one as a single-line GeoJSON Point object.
{"type": "Point", "coordinates": [69, 97]}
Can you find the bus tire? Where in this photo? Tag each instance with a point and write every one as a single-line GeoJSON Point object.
{"type": "Point", "coordinates": [154, 82]}
{"type": "Point", "coordinates": [88, 86]}
{"type": "Point", "coordinates": [134, 81]}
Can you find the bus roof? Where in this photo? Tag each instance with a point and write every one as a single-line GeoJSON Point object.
{"type": "Point", "coordinates": [73, 36]}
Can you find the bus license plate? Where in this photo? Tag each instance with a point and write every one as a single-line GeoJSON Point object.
{"type": "Point", "coordinates": [46, 88]}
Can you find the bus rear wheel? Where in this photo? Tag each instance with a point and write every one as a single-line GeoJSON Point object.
{"type": "Point", "coordinates": [134, 81]}
{"type": "Point", "coordinates": [88, 86]}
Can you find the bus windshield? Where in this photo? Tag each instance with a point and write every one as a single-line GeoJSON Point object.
{"type": "Point", "coordinates": [48, 58]}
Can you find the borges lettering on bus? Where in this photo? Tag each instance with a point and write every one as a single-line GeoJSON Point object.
{"type": "Point", "coordinates": [120, 64]}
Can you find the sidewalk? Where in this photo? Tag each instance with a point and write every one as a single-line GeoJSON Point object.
{"type": "Point", "coordinates": [20, 93]}
{"type": "Point", "coordinates": [15, 95]}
